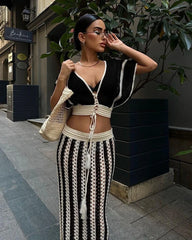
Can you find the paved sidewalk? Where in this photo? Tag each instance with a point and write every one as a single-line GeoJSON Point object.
{"type": "Point", "coordinates": [29, 200]}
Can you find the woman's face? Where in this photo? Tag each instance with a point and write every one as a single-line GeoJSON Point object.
{"type": "Point", "coordinates": [95, 36]}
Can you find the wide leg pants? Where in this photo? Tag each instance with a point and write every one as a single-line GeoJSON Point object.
{"type": "Point", "coordinates": [71, 154]}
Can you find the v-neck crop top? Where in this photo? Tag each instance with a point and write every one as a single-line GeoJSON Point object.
{"type": "Point", "coordinates": [114, 89]}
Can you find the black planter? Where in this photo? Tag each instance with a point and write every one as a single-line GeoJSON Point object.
{"type": "Point", "coordinates": [141, 133]}
{"type": "Point", "coordinates": [23, 102]}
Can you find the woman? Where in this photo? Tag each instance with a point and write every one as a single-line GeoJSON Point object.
{"type": "Point", "coordinates": [86, 154]}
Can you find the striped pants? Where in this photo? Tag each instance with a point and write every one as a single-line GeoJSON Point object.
{"type": "Point", "coordinates": [71, 155]}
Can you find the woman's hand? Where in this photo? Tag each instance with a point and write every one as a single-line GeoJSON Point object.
{"type": "Point", "coordinates": [66, 68]}
{"type": "Point", "coordinates": [113, 41]}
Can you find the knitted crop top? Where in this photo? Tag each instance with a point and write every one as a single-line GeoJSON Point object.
{"type": "Point", "coordinates": [114, 89]}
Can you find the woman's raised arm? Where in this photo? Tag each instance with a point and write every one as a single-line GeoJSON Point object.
{"type": "Point", "coordinates": [144, 63]}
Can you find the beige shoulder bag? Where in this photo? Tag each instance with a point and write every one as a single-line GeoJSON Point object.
{"type": "Point", "coordinates": [53, 126]}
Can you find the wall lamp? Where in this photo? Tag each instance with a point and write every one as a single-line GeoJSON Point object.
{"type": "Point", "coordinates": [26, 13]}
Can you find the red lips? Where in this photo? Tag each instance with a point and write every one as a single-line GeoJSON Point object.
{"type": "Point", "coordinates": [103, 45]}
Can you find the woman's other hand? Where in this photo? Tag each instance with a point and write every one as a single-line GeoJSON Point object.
{"type": "Point", "coordinates": [113, 41]}
{"type": "Point", "coordinates": [66, 68]}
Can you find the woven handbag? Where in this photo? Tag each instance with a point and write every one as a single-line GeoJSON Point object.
{"type": "Point", "coordinates": [53, 126]}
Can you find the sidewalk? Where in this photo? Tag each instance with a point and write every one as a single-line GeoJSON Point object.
{"type": "Point", "coordinates": [29, 199]}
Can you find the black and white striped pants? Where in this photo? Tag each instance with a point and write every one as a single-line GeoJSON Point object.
{"type": "Point", "coordinates": [71, 154]}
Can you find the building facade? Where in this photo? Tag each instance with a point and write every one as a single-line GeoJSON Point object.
{"type": "Point", "coordinates": [13, 54]}
{"type": "Point", "coordinates": [44, 71]}
{"type": "Point", "coordinates": [5, 45]}
{"type": "Point", "coordinates": [20, 61]}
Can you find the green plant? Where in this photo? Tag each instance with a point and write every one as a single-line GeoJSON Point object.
{"type": "Point", "coordinates": [184, 152]}
{"type": "Point", "coordinates": [167, 25]}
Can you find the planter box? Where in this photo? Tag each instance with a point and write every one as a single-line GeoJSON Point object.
{"type": "Point", "coordinates": [142, 146]}
{"type": "Point", "coordinates": [180, 139]}
{"type": "Point", "coordinates": [23, 102]}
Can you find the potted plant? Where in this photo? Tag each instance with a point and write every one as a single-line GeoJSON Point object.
{"type": "Point", "coordinates": [139, 24]}
{"type": "Point", "coordinates": [142, 141]}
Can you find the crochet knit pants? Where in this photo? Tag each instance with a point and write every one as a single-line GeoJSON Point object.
{"type": "Point", "coordinates": [72, 183]}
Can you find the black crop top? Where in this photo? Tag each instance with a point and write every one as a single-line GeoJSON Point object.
{"type": "Point", "coordinates": [113, 89]}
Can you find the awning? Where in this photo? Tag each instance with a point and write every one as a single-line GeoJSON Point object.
{"type": "Point", "coordinates": [7, 3]}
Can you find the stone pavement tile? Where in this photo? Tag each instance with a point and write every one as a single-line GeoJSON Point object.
{"type": "Point", "coordinates": [186, 194]}
{"type": "Point", "coordinates": [32, 147]}
{"type": "Point", "coordinates": [51, 172]}
{"type": "Point", "coordinates": [185, 229]}
{"type": "Point", "coordinates": [50, 233]}
{"type": "Point", "coordinates": [172, 235]}
{"type": "Point", "coordinates": [31, 214]}
{"type": "Point", "coordinates": [113, 202]}
{"type": "Point", "coordinates": [39, 181]}
{"type": "Point", "coordinates": [148, 227]}
{"type": "Point", "coordinates": [14, 130]}
{"type": "Point", "coordinates": [183, 207]}
{"type": "Point", "coordinates": [28, 157]}
{"type": "Point", "coordinates": [172, 193]}
{"type": "Point", "coordinates": [24, 161]}
{"type": "Point", "coordinates": [8, 148]}
{"type": "Point", "coordinates": [122, 232]}
{"type": "Point", "coordinates": [13, 233]}
{"type": "Point", "coordinates": [174, 213]}
{"type": "Point", "coordinates": [32, 173]}
{"type": "Point", "coordinates": [160, 199]}
{"type": "Point", "coordinates": [48, 152]}
{"type": "Point", "coordinates": [128, 213]}
{"type": "Point", "coordinates": [29, 211]}
{"type": "Point", "coordinates": [32, 139]}
{"type": "Point", "coordinates": [38, 178]}
{"type": "Point", "coordinates": [118, 228]}
{"type": "Point", "coordinates": [5, 213]}
{"type": "Point", "coordinates": [14, 187]}
{"type": "Point", "coordinates": [176, 192]}
{"type": "Point", "coordinates": [151, 203]}
{"type": "Point", "coordinates": [6, 166]}
{"type": "Point", "coordinates": [9, 229]}
{"type": "Point", "coordinates": [20, 161]}
{"type": "Point", "coordinates": [49, 196]}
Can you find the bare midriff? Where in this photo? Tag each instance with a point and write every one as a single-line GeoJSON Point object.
{"type": "Point", "coordinates": [82, 123]}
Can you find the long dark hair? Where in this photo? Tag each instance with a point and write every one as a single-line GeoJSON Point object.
{"type": "Point", "coordinates": [81, 26]}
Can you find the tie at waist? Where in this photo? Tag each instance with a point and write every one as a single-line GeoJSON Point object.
{"type": "Point", "coordinates": [87, 110]}
{"type": "Point", "coordinates": [92, 111]}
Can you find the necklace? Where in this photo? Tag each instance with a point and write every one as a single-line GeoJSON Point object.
{"type": "Point", "coordinates": [88, 65]}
